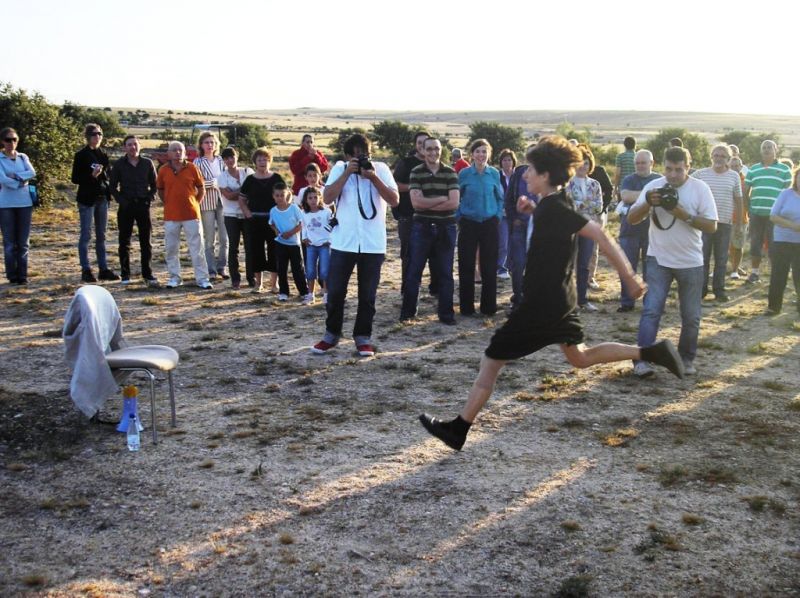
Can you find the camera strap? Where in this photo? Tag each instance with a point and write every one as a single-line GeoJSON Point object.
{"type": "Point", "coordinates": [360, 205]}
{"type": "Point", "coordinates": [657, 222]}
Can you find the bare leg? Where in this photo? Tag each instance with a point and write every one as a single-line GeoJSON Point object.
{"type": "Point", "coordinates": [482, 387]}
{"type": "Point", "coordinates": [273, 278]}
{"type": "Point", "coordinates": [582, 356]}
{"type": "Point", "coordinates": [311, 285]}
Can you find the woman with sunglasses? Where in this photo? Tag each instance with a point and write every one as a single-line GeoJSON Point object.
{"type": "Point", "coordinates": [16, 206]}
{"type": "Point", "coordinates": [90, 171]}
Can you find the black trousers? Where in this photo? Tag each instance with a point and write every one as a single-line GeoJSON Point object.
{"type": "Point", "coordinates": [285, 255]}
{"type": "Point", "coordinates": [471, 237]}
{"type": "Point", "coordinates": [135, 212]}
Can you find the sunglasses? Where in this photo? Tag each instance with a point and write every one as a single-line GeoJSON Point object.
{"type": "Point", "coordinates": [96, 134]}
{"type": "Point", "coordinates": [10, 139]}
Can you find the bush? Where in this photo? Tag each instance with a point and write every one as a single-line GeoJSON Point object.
{"type": "Point", "coordinates": [247, 138]}
{"type": "Point", "coordinates": [749, 144]}
{"type": "Point", "coordinates": [697, 145]}
{"type": "Point", "coordinates": [395, 136]}
{"type": "Point", "coordinates": [337, 143]}
{"type": "Point", "coordinates": [46, 136]}
{"type": "Point", "coordinates": [81, 116]}
{"type": "Point", "coordinates": [499, 136]}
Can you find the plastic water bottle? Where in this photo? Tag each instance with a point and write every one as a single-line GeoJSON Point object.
{"type": "Point", "coordinates": [133, 433]}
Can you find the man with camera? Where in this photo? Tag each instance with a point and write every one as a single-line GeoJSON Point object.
{"type": "Point", "coordinates": [681, 209]}
{"type": "Point", "coordinates": [361, 190]}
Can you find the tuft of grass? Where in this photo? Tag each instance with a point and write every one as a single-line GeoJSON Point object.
{"type": "Point", "coordinates": [34, 580]}
{"type": "Point", "coordinates": [258, 471]}
{"type": "Point", "coordinates": [576, 586]}
{"type": "Point", "coordinates": [671, 475]}
{"type": "Point", "coordinates": [692, 519]}
{"type": "Point", "coordinates": [621, 437]}
{"type": "Point", "coordinates": [16, 466]}
{"type": "Point", "coordinates": [571, 525]}
{"type": "Point", "coordinates": [794, 405]}
{"type": "Point", "coordinates": [243, 433]}
{"type": "Point", "coordinates": [195, 504]}
{"type": "Point", "coordinates": [151, 300]}
{"type": "Point", "coordinates": [757, 349]}
{"type": "Point", "coordinates": [774, 385]}
{"type": "Point", "coordinates": [286, 538]}
{"type": "Point", "coordinates": [756, 503]}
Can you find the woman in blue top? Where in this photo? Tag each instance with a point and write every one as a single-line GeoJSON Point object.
{"type": "Point", "coordinates": [785, 216]}
{"type": "Point", "coordinates": [478, 215]}
{"type": "Point", "coordinates": [16, 207]}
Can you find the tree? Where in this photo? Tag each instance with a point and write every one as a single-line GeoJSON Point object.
{"type": "Point", "coordinates": [697, 145]}
{"type": "Point", "coordinates": [46, 136]}
{"type": "Point", "coordinates": [81, 115]}
{"type": "Point", "coordinates": [395, 136]}
{"type": "Point", "coordinates": [247, 137]}
{"type": "Point", "coordinates": [337, 143]}
{"type": "Point", "coordinates": [567, 129]}
{"type": "Point", "coordinates": [499, 136]}
{"type": "Point", "coordinates": [749, 144]}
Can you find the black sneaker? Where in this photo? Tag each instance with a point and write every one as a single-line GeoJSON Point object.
{"type": "Point", "coordinates": [438, 428]}
{"type": "Point", "coordinates": [87, 275]}
{"type": "Point", "coordinates": [752, 279]}
{"type": "Point", "coordinates": [624, 308]}
{"type": "Point", "coordinates": [108, 275]}
{"type": "Point", "coordinates": [722, 298]}
{"type": "Point", "coordinates": [665, 354]}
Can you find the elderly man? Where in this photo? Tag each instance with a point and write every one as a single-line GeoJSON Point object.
{"type": "Point", "coordinates": [726, 187]}
{"type": "Point", "coordinates": [633, 237]}
{"type": "Point", "coordinates": [763, 183]}
{"type": "Point", "coordinates": [181, 188]}
{"type": "Point", "coordinates": [301, 158]}
{"type": "Point", "coordinates": [681, 208]}
{"type": "Point", "coordinates": [361, 189]}
{"type": "Point", "coordinates": [457, 159]}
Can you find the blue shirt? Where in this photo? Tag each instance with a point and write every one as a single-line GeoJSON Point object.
{"type": "Point", "coordinates": [787, 206]}
{"type": "Point", "coordinates": [481, 194]}
{"type": "Point", "coordinates": [634, 182]}
{"type": "Point", "coordinates": [15, 193]}
{"type": "Point", "coordinates": [286, 220]}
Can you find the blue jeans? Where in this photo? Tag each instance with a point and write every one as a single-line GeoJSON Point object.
{"type": "Point", "coordinates": [690, 292]}
{"type": "Point", "coordinates": [635, 248]}
{"type": "Point", "coordinates": [585, 252]}
{"type": "Point", "coordinates": [718, 244]}
{"type": "Point", "coordinates": [435, 241]}
{"type": "Point", "coordinates": [369, 276]}
{"type": "Point", "coordinates": [321, 254]}
{"type": "Point", "coordinates": [502, 246]}
{"type": "Point", "coordinates": [517, 258]}
{"type": "Point", "coordinates": [15, 224]}
{"type": "Point", "coordinates": [99, 214]}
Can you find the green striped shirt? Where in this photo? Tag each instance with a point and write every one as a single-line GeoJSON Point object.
{"type": "Point", "coordinates": [433, 185]}
{"type": "Point", "coordinates": [625, 163]}
{"type": "Point", "coordinates": [766, 183]}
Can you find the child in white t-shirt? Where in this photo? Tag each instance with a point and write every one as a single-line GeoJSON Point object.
{"type": "Point", "coordinates": [317, 239]}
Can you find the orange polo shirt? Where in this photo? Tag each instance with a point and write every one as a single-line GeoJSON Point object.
{"type": "Point", "coordinates": [180, 192]}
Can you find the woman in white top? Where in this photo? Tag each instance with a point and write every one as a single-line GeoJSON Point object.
{"type": "Point", "coordinates": [211, 166]}
{"type": "Point", "coordinates": [230, 181]}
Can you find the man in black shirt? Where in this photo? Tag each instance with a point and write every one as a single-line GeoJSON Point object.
{"type": "Point", "coordinates": [133, 186]}
{"type": "Point", "coordinates": [90, 173]}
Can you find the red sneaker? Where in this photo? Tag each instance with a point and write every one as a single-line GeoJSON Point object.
{"type": "Point", "coordinates": [322, 347]}
{"type": "Point", "coordinates": [366, 350]}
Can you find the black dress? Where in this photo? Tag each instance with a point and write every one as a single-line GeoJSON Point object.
{"type": "Point", "coordinates": [259, 233]}
{"type": "Point", "coordinates": [548, 312]}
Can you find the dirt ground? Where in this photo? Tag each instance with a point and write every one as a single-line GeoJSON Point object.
{"type": "Point", "coordinates": [294, 474]}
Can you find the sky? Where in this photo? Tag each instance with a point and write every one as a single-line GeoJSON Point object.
{"type": "Point", "coordinates": [406, 55]}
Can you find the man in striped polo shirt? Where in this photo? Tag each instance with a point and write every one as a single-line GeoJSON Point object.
{"type": "Point", "coordinates": [763, 184]}
{"type": "Point", "coordinates": [727, 191]}
{"type": "Point", "coordinates": [434, 192]}
{"type": "Point", "coordinates": [624, 164]}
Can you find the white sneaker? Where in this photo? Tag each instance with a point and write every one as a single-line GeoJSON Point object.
{"type": "Point", "coordinates": [735, 275]}
{"type": "Point", "coordinates": [205, 285]}
{"type": "Point", "coordinates": [594, 285]}
{"type": "Point", "coordinates": [282, 297]}
{"type": "Point", "coordinates": [324, 298]}
{"type": "Point", "coordinates": [643, 370]}
{"type": "Point", "coordinates": [308, 299]}
{"type": "Point", "coordinates": [590, 307]}
{"type": "Point", "coordinates": [689, 369]}
{"type": "Point", "coordinates": [174, 283]}
{"type": "Point", "coordinates": [504, 275]}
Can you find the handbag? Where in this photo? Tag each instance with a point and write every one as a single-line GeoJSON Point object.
{"type": "Point", "coordinates": [34, 192]}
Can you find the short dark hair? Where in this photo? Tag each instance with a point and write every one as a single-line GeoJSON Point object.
{"type": "Point", "coordinates": [229, 152]}
{"type": "Point", "coordinates": [507, 153]}
{"type": "Point", "coordinates": [434, 139]}
{"type": "Point", "coordinates": [91, 128]}
{"type": "Point", "coordinates": [677, 154]}
{"type": "Point", "coordinates": [419, 134]}
{"type": "Point", "coordinates": [629, 143]}
{"type": "Point", "coordinates": [556, 156]}
{"type": "Point", "coordinates": [478, 143]}
{"type": "Point", "coordinates": [307, 136]}
{"type": "Point", "coordinates": [354, 141]}
{"type": "Point", "coordinates": [124, 141]}
{"type": "Point", "coordinates": [676, 142]}
{"type": "Point", "coordinates": [262, 151]}
{"type": "Point", "coordinates": [279, 186]}
{"type": "Point", "coordinates": [313, 166]}
{"type": "Point", "coordinates": [6, 131]}
{"type": "Point", "coordinates": [587, 154]}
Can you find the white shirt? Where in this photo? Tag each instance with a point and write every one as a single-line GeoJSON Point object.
{"type": "Point", "coordinates": [681, 246]}
{"type": "Point", "coordinates": [355, 233]}
{"type": "Point", "coordinates": [226, 181]}
{"type": "Point", "coordinates": [314, 224]}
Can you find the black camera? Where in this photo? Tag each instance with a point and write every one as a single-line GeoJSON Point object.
{"type": "Point", "coordinates": [364, 164]}
{"type": "Point", "coordinates": [669, 197]}
{"type": "Point", "coordinates": [332, 223]}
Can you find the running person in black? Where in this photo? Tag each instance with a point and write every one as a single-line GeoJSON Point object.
{"type": "Point", "coordinates": [548, 312]}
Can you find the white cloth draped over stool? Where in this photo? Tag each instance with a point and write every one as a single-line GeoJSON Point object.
{"type": "Point", "coordinates": [92, 328]}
